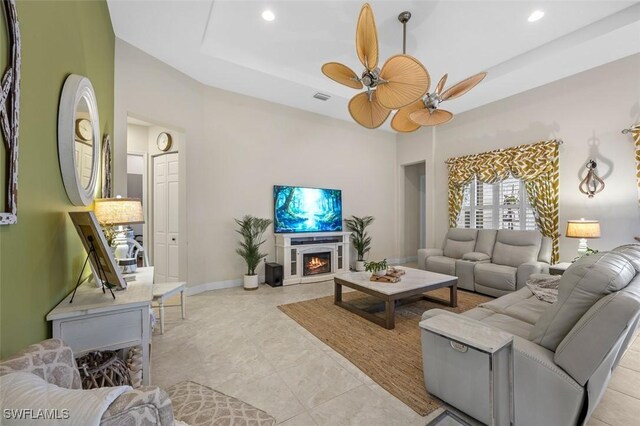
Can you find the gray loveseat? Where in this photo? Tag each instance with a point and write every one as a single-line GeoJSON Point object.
{"type": "Point", "coordinates": [489, 261]}
{"type": "Point", "coordinates": [563, 353]}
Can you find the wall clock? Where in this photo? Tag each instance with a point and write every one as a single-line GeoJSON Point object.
{"type": "Point", "coordinates": [84, 131]}
{"type": "Point", "coordinates": [164, 141]}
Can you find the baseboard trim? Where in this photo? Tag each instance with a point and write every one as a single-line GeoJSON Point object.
{"type": "Point", "coordinates": [217, 285]}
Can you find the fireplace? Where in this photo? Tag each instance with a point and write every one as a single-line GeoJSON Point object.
{"type": "Point", "coordinates": [316, 263]}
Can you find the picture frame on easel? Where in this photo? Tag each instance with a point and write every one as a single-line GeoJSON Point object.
{"type": "Point", "coordinates": [99, 255]}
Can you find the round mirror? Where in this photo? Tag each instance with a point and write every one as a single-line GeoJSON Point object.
{"type": "Point", "coordinates": [79, 139]}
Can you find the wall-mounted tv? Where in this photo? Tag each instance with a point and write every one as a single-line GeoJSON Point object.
{"type": "Point", "coordinates": [299, 209]}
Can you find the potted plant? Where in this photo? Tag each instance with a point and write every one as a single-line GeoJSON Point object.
{"type": "Point", "coordinates": [251, 229]}
{"type": "Point", "coordinates": [376, 268]}
{"type": "Point", "coordinates": [359, 237]}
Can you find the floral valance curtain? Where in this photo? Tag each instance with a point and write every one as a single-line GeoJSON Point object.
{"type": "Point", "coordinates": [635, 133]}
{"type": "Point", "coordinates": [536, 165]}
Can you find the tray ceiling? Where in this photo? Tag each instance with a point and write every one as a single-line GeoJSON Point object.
{"type": "Point", "coordinates": [227, 44]}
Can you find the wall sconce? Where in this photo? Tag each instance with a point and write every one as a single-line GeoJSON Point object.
{"type": "Point", "coordinates": [591, 184]}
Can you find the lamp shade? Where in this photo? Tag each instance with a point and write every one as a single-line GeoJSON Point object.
{"type": "Point", "coordinates": [583, 229]}
{"type": "Point", "coordinates": [119, 211]}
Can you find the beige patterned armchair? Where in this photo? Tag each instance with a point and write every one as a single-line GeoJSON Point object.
{"type": "Point", "coordinates": [194, 404]}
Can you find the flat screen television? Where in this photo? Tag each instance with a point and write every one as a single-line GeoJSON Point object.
{"type": "Point", "coordinates": [299, 209]}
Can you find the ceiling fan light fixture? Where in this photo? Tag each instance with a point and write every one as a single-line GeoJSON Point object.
{"type": "Point", "coordinates": [268, 15]}
{"type": "Point", "coordinates": [536, 15]}
{"type": "Point", "coordinates": [402, 83]}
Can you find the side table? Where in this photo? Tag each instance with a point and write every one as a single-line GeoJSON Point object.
{"type": "Point", "coordinates": [470, 366]}
{"type": "Point", "coordinates": [559, 268]}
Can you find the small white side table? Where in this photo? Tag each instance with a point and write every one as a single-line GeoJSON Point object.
{"type": "Point", "coordinates": [559, 268]}
{"type": "Point", "coordinates": [470, 366]}
{"type": "Point", "coordinates": [162, 292]}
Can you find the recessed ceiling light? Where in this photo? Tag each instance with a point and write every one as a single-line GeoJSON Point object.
{"type": "Point", "coordinates": [535, 15]}
{"type": "Point", "coordinates": [268, 15]}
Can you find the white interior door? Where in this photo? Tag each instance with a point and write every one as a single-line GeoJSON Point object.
{"type": "Point", "coordinates": [84, 161]}
{"type": "Point", "coordinates": [172, 217]}
{"type": "Point", "coordinates": [165, 217]}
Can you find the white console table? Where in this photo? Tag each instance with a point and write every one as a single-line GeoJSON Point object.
{"type": "Point", "coordinates": [97, 322]}
{"type": "Point", "coordinates": [291, 249]}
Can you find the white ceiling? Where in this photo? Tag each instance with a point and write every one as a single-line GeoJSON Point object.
{"type": "Point", "coordinates": [227, 44]}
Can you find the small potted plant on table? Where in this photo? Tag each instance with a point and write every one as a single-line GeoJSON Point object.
{"type": "Point", "coordinates": [359, 237]}
{"type": "Point", "coordinates": [378, 269]}
{"type": "Point", "coordinates": [252, 230]}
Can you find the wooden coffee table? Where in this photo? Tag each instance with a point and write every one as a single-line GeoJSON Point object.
{"type": "Point", "coordinates": [411, 288]}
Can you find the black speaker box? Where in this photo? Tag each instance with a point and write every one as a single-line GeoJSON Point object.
{"type": "Point", "coordinates": [273, 274]}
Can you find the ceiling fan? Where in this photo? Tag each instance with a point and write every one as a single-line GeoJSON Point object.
{"type": "Point", "coordinates": [401, 81]}
{"type": "Point", "coordinates": [425, 111]}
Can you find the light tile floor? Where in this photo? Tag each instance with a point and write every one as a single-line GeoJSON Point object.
{"type": "Point", "coordinates": [239, 343]}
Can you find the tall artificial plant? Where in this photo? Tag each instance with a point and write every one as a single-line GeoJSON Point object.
{"type": "Point", "coordinates": [359, 237]}
{"type": "Point", "coordinates": [252, 230]}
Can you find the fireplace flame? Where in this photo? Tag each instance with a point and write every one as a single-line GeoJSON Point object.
{"type": "Point", "coordinates": [316, 262]}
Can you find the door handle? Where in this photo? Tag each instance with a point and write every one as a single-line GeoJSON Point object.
{"type": "Point", "coordinates": [173, 238]}
{"type": "Point", "coordinates": [458, 347]}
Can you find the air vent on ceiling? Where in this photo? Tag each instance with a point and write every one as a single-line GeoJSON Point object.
{"type": "Point", "coordinates": [321, 96]}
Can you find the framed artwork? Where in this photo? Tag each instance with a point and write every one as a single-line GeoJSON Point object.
{"type": "Point", "coordinates": [106, 167]}
{"type": "Point", "coordinates": [99, 253]}
{"type": "Point", "coordinates": [10, 114]}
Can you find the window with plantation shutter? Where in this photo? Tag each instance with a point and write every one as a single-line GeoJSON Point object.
{"type": "Point", "coordinates": [502, 205]}
{"type": "Point", "coordinates": [464, 220]}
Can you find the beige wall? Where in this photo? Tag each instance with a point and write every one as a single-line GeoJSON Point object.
{"type": "Point", "coordinates": [137, 138]}
{"type": "Point", "coordinates": [588, 111]}
{"type": "Point", "coordinates": [239, 147]}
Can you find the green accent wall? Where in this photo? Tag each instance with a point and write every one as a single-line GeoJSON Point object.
{"type": "Point", "coordinates": [41, 256]}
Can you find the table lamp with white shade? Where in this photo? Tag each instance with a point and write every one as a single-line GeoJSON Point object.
{"type": "Point", "coordinates": [118, 212]}
{"type": "Point", "coordinates": [583, 229]}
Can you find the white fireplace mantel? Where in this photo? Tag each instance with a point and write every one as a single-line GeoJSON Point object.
{"type": "Point", "coordinates": [291, 248]}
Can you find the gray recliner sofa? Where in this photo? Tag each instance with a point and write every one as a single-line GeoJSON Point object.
{"type": "Point", "coordinates": [563, 353]}
{"type": "Point", "coordinates": [489, 261]}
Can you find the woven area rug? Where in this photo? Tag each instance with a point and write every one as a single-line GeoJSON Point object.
{"type": "Point", "coordinates": [392, 358]}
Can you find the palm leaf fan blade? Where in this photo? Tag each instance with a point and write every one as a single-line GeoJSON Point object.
{"type": "Point", "coordinates": [441, 84]}
{"type": "Point", "coordinates": [368, 113]}
{"type": "Point", "coordinates": [341, 74]}
{"type": "Point", "coordinates": [367, 38]}
{"type": "Point", "coordinates": [463, 87]}
{"type": "Point", "coordinates": [425, 117]}
{"type": "Point", "coordinates": [401, 121]}
{"type": "Point", "coordinates": [405, 80]}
